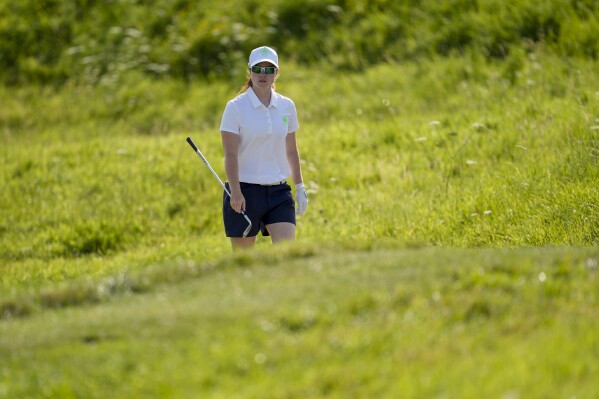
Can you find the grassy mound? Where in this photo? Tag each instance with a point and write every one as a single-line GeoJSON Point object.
{"type": "Point", "coordinates": [318, 323]}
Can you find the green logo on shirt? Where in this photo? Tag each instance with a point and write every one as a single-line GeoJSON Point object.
{"type": "Point", "coordinates": [285, 119]}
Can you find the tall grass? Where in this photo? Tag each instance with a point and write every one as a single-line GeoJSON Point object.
{"type": "Point", "coordinates": [484, 134]}
{"type": "Point", "coordinates": [92, 42]}
{"type": "Point", "coordinates": [457, 151]}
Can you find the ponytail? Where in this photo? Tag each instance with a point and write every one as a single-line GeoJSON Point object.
{"type": "Point", "coordinates": [245, 87]}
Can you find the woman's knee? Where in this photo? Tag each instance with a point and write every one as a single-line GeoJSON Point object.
{"type": "Point", "coordinates": [281, 231]}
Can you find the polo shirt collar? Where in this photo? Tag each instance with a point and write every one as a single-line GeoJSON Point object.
{"type": "Point", "coordinates": [256, 101]}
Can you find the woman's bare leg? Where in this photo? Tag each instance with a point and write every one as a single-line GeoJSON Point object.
{"type": "Point", "coordinates": [281, 232]}
{"type": "Point", "coordinates": [243, 242]}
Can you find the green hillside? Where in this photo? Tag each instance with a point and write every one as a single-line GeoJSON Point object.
{"type": "Point", "coordinates": [92, 40]}
{"type": "Point", "coordinates": [450, 152]}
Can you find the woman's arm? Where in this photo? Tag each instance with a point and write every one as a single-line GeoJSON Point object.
{"type": "Point", "coordinates": [293, 158]}
{"type": "Point", "coordinates": [231, 149]}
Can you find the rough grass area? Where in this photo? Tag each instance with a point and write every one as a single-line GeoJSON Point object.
{"type": "Point", "coordinates": [457, 152]}
{"type": "Point", "coordinates": [450, 153]}
{"type": "Point", "coordinates": [94, 42]}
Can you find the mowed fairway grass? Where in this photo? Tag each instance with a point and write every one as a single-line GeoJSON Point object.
{"type": "Point", "coordinates": [450, 247]}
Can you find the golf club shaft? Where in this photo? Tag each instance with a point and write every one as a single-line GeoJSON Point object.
{"type": "Point", "coordinates": [197, 151]}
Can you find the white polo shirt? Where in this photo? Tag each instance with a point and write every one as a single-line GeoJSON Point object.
{"type": "Point", "coordinates": [262, 130]}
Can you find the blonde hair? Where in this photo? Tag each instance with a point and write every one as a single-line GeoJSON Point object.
{"type": "Point", "coordinates": [248, 83]}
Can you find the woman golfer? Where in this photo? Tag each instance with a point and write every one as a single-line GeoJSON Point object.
{"type": "Point", "coordinates": [258, 133]}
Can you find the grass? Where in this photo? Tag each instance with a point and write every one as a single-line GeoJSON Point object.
{"type": "Point", "coordinates": [488, 163]}
{"type": "Point", "coordinates": [278, 324]}
{"type": "Point", "coordinates": [453, 216]}
{"type": "Point", "coordinates": [57, 41]}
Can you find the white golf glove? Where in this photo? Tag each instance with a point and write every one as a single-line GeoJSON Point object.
{"type": "Point", "coordinates": [301, 198]}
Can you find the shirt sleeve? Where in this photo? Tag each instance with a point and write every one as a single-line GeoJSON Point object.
{"type": "Point", "coordinates": [230, 120]}
{"type": "Point", "coordinates": [293, 125]}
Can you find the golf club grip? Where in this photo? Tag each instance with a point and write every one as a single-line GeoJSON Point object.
{"type": "Point", "coordinates": [192, 144]}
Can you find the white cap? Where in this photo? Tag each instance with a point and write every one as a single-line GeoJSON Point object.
{"type": "Point", "coordinates": [263, 53]}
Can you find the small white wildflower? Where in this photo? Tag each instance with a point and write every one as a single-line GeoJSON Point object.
{"type": "Point", "coordinates": [115, 30]}
{"type": "Point", "coordinates": [266, 325]}
{"type": "Point", "coordinates": [335, 9]}
{"type": "Point", "coordinates": [73, 50]}
{"type": "Point", "coordinates": [421, 139]}
{"type": "Point", "coordinates": [434, 123]}
{"type": "Point", "coordinates": [542, 277]}
{"type": "Point", "coordinates": [312, 188]}
{"type": "Point", "coordinates": [470, 162]}
{"type": "Point", "coordinates": [487, 212]}
{"type": "Point", "coordinates": [132, 32]}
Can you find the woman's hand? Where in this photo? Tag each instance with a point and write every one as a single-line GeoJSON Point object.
{"type": "Point", "coordinates": [301, 198]}
{"type": "Point", "coordinates": [237, 201]}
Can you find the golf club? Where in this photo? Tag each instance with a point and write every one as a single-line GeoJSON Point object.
{"type": "Point", "coordinates": [197, 151]}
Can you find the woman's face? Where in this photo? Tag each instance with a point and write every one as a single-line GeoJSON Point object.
{"type": "Point", "coordinates": [262, 79]}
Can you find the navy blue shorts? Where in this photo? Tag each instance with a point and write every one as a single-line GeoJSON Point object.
{"type": "Point", "coordinates": [263, 205]}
